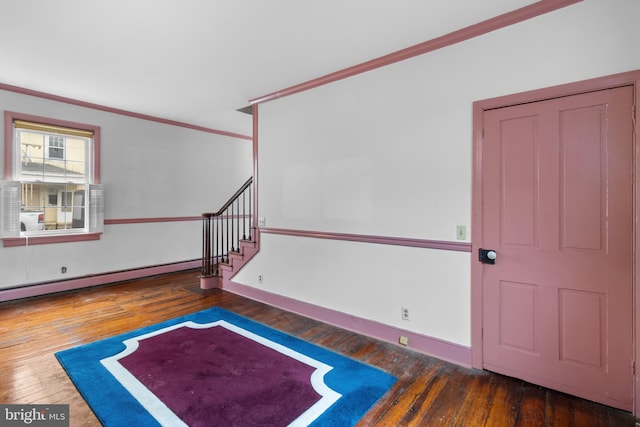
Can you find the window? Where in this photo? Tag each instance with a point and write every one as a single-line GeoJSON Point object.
{"type": "Point", "coordinates": [53, 165]}
{"type": "Point", "coordinates": [55, 147]}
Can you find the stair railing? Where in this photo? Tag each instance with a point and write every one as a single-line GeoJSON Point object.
{"type": "Point", "coordinates": [222, 231]}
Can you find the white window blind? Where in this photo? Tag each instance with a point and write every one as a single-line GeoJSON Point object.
{"type": "Point", "coordinates": [96, 208]}
{"type": "Point", "coordinates": [9, 209]}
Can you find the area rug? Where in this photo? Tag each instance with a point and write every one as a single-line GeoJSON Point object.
{"type": "Point", "coordinates": [216, 368]}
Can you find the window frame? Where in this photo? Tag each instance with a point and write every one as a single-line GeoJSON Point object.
{"type": "Point", "coordinates": [10, 168]}
{"type": "Point", "coordinates": [62, 148]}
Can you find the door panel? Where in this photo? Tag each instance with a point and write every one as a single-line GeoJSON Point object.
{"type": "Point", "coordinates": [582, 317]}
{"type": "Point", "coordinates": [518, 304]}
{"type": "Point", "coordinates": [519, 163]}
{"type": "Point", "coordinates": [583, 170]}
{"type": "Point", "coordinates": [557, 208]}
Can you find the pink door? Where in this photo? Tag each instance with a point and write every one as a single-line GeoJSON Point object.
{"type": "Point", "coordinates": [557, 210]}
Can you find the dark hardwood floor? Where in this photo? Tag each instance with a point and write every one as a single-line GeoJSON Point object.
{"type": "Point", "coordinates": [429, 392]}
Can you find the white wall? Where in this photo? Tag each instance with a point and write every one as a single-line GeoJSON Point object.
{"type": "Point", "coordinates": [148, 170]}
{"type": "Point", "coordinates": [389, 153]}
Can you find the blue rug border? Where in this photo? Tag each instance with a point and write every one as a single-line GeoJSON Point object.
{"type": "Point", "coordinates": [110, 401]}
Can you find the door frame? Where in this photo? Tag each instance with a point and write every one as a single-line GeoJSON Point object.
{"type": "Point", "coordinates": [631, 78]}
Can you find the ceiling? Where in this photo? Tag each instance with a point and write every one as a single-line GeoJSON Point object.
{"type": "Point", "coordinates": [198, 61]}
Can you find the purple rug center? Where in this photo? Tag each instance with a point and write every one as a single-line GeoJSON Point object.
{"type": "Point", "coordinates": [216, 377]}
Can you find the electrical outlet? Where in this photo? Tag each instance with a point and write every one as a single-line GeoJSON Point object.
{"type": "Point", "coordinates": [461, 232]}
{"type": "Point", "coordinates": [403, 340]}
{"type": "Point", "coordinates": [405, 313]}
{"type": "Point", "coordinates": [260, 279]}
{"type": "Point", "coordinates": [261, 221]}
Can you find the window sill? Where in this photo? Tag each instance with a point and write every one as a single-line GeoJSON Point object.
{"type": "Point", "coordinates": [45, 240]}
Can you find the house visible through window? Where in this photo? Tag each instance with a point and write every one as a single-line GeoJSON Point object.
{"type": "Point", "coordinates": [54, 166]}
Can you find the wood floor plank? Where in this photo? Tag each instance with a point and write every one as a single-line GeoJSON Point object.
{"type": "Point", "coordinates": [532, 406]}
{"type": "Point", "coordinates": [409, 396]}
{"type": "Point", "coordinates": [425, 389]}
{"type": "Point", "coordinates": [559, 410]}
{"type": "Point", "coordinates": [442, 412]}
{"type": "Point", "coordinates": [429, 392]}
{"type": "Point", "coordinates": [474, 409]}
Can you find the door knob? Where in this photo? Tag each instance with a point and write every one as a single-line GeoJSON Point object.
{"type": "Point", "coordinates": [487, 256]}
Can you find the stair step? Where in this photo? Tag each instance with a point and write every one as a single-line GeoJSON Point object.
{"type": "Point", "coordinates": [228, 266]}
{"type": "Point", "coordinates": [210, 282]}
{"type": "Point", "coordinates": [247, 243]}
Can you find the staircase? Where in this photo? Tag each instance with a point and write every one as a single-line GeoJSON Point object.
{"type": "Point", "coordinates": [228, 238]}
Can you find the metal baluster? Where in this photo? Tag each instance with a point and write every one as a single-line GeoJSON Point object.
{"type": "Point", "coordinates": [218, 245]}
{"type": "Point", "coordinates": [233, 227]}
{"type": "Point", "coordinates": [244, 216]}
{"type": "Point", "coordinates": [206, 271]}
{"type": "Point", "coordinates": [229, 231]}
{"type": "Point", "coordinates": [238, 224]}
{"type": "Point", "coordinates": [250, 214]}
{"type": "Point", "coordinates": [227, 211]}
